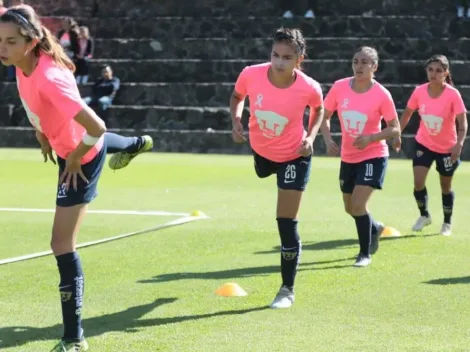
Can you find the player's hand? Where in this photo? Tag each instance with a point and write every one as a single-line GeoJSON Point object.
{"type": "Point", "coordinates": [46, 149]}
{"type": "Point", "coordinates": [455, 154]}
{"type": "Point", "coordinates": [332, 148]}
{"type": "Point", "coordinates": [396, 144]}
{"type": "Point", "coordinates": [73, 170]}
{"type": "Point", "coordinates": [362, 142]}
{"type": "Point", "coordinates": [237, 133]}
{"type": "Point", "coordinates": [306, 147]}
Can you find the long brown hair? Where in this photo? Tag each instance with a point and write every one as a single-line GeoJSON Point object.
{"type": "Point", "coordinates": [441, 59]}
{"type": "Point", "coordinates": [31, 28]}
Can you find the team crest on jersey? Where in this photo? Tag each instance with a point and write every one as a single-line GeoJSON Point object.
{"type": "Point", "coordinates": [270, 123]}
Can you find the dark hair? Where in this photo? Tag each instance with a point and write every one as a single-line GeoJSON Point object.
{"type": "Point", "coordinates": [441, 59]}
{"type": "Point", "coordinates": [371, 52]}
{"type": "Point", "coordinates": [294, 37]}
{"type": "Point", "coordinates": [31, 28]}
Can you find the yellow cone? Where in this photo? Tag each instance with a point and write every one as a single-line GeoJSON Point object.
{"type": "Point", "coordinates": [230, 289]}
{"type": "Point", "coordinates": [390, 232]}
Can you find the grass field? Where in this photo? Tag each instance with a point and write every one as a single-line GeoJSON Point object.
{"type": "Point", "coordinates": [155, 292]}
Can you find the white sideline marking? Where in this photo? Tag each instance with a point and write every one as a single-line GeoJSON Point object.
{"type": "Point", "coordinates": [116, 212]}
{"type": "Point", "coordinates": [180, 221]}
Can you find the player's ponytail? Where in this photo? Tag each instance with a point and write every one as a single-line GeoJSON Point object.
{"type": "Point", "coordinates": [51, 47]}
{"type": "Point", "coordinates": [449, 79]}
{"type": "Point", "coordinates": [30, 28]}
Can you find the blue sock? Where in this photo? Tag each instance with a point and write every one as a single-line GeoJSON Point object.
{"type": "Point", "coordinates": [71, 294]}
{"type": "Point", "coordinates": [364, 232]}
{"type": "Point", "coordinates": [116, 143]}
{"type": "Point", "coordinates": [290, 250]}
{"type": "Point", "coordinates": [448, 206]}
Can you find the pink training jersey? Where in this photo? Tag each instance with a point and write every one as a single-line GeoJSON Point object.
{"type": "Point", "coordinates": [276, 115]}
{"type": "Point", "coordinates": [51, 99]}
{"type": "Point", "coordinates": [437, 130]}
{"type": "Point", "coordinates": [360, 114]}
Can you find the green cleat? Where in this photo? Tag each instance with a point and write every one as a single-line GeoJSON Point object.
{"type": "Point", "coordinates": [122, 159]}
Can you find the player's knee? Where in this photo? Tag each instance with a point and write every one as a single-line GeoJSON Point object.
{"type": "Point", "coordinates": [446, 187]}
{"type": "Point", "coordinates": [358, 208]}
{"type": "Point", "coordinates": [61, 245]}
{"type": "Point", "coordinates": [347, 209]}
{"type": "Point", "coordinates": [290, 239]}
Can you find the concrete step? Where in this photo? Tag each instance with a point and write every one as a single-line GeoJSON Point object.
{"type": "Point", "coordinates": [245, 27]}
{"type": "Point", "coordinates": [199, 94]}
{"type": "Point", "coordinates": [255, 48]}
{"type": "Point", "coordinates": [146, 8]}
{"type": "Point", "coordinates": [143, 8]}
{"type": "Point", "coordinates": [173, 141]}
{"type": "Point", "coordinates": [187, 70]}
{"type": "Point", "coordinates": [165, 117]}
{"type": "Point", "coordinates": [191, 141]}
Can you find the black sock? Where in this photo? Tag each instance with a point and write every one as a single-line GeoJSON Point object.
{"type": "Point", "coordinates": [116, 143]}
{"type": "Point", "coordinates": [374, 226]}
{"type": "Point", "coordinates": [448, 206]}
{"type": "Point", "coordinates": [71, 294]}
{"type": "Point", "coordinates": [422, 201]}
{"type": "Point", "coordinates": [364, 232]}
{"type": "Point", "coordinates": [290, 250]}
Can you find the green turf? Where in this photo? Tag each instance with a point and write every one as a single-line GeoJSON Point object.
{"type": "Point", "coordinates": [155, 292]}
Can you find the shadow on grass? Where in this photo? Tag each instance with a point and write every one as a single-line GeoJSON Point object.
{"type": "Point", "coordinates": [242, 272]}
{"type": "Point", "coordinates": [346, 243]}
{"type": "Point", "coordinates": [450, 281]}
{"type": "Point", "coordinates": [127, 321]}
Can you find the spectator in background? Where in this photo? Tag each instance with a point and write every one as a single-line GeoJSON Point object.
{"type": "Point", "coordinates": [103, 92]}
{"type": "Point", "coordinates": [68, 37]}
{"type": "Point", "coordinates": [290, 7]}
{"type": "Point", "coordinates": [463, 8]}
{"type": "Point", "coordinates": [85, 53]}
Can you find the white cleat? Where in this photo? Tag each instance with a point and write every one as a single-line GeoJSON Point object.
{"type": "Point", "coordinates": [284, 298]}
{"type": "Point", "coordinates": [421, 223]}
{"type": "Point", "coordinates": [446, 229]}
{"type": "Point", "coordinates": [362, 261]}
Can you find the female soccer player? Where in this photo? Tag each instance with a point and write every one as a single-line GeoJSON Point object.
{"type": "Point", "coordinates": [440, 107]}
{"type": "Point", "coordinates": [65, 124]}
{"type": "Point", "coordinates": [278, 93]}
{"type": "Point", "coordinates": [361, 103]}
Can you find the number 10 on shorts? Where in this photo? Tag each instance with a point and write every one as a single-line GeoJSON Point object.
{"type": "Point", "coordinates": [369, 170]}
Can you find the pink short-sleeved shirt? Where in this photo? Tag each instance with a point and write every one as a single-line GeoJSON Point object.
{"type": "Point", "coordinates": [51, 100]}
{"type": "Point", "coordinates": [360, 114]}
{"type": "Point", "coordinates": [437, 130]}
{"type": "Point", "coordinates": [276, 124]}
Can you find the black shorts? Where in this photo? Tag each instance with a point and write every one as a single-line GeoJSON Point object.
{"type": "Point", "coordinates": [425, 157]}
{"type": "Point", "coordinates": [369, 172]}
{"type": "Point", "coordinates": [85, 192]}
{"type": "Point", "coordinates": [291, 175]}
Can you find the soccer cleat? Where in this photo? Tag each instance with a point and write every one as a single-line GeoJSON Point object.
{"type": "Point", "coordinates": [362, 261]}
{"type": "Point", "coordinates": [422, 222]}
{"type": "Point", "coordinates": [284, 298]}
{"type": "Point", "coordinates": [71, 346]}
{"type": "Point", "coordinates": [374, 244]}
{"type": "Point", "coordinates": [122, 159]}
{"type": "Point", "coordinates": [446, 229]}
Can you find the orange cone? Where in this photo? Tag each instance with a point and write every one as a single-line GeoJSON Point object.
{"type": "Point", "coordinates": [390, 232]}
{"type": "Point", "coordinates": [230, 289]}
